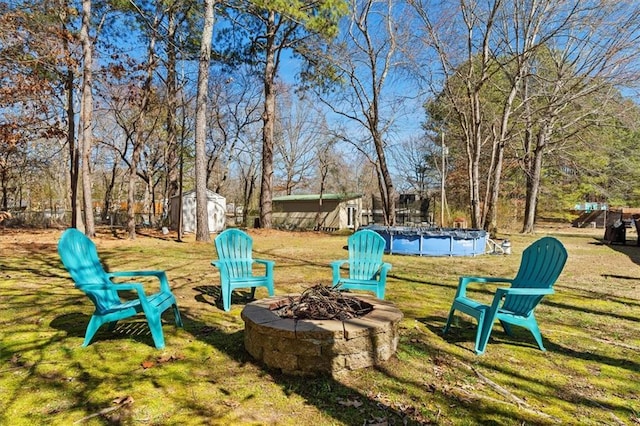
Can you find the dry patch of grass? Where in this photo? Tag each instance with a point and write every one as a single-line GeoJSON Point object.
{"type": "Point", "coordinates": [589, 375]}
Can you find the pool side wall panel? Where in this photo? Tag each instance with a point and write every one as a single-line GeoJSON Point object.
{"type": "Point", "coordinates": [433, 242]}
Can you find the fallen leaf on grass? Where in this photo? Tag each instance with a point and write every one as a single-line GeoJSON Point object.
{"type": "Point", "coordinates": [169, 358]}
{"type": "Point", "coordinates": [147, 364]}
{"type": "Point", "coordinates": [231, 403]}
{"type": "Point", "coordinates": [123, 400]}
{"type": "Point", "coordinates": [350, 402]}
{"type": "Point", "coordinates": [162, 360]}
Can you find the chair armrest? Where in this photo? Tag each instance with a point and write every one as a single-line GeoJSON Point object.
{"type": "Point", "coordinates": [338, 263]}
{"type": "Point", "coordinates": [137, 287]}
{"type": "Point", "coordinates": [524, 291]}
{"type": "Point", "coordinates": [222, 267]}
{"type": "Point", "coordinates": [161, 275]}
{"type": "Point", "coordinates": [465, 281]}
{"type": "Point", "coordinates": [269, 264]}
{"type": "Point", "coordinates": [221, 264]}
{"type": "Point", "coordinates": [335, 267]}
{"type": "Point", "coordinates": [501, 292]}
{"type": "Point", "coordinates": [111, 286]}
{"type": "Point", "coordinates": [384, 268]}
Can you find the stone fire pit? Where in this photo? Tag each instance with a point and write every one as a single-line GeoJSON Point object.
{"type": "Point", "coordinates": [307, 347]}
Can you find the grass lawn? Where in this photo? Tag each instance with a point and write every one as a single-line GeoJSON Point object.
{"type": "Point", "coordinates": [590, 374]}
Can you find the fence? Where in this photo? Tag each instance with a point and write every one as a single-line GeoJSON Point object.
{"type": "Point", "coordinates": [62, 219]}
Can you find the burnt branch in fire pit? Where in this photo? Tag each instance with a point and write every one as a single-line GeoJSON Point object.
{"type": "Point", "coordinates": [321, 302]}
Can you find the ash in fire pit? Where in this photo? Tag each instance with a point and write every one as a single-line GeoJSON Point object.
{"type": "Point", "coordinates": [323, 303]}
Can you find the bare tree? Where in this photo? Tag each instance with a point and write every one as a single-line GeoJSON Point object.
{"type": "Point", "coordinates": [418, 162]}
{"type": "Point", "coordinates": [236, 107]}
{"type": "Point", "coordinates": [297, 139]}
{"type": "Point", "coordinates": [595, 52]}
{"type": "Point", "coordinates": [202, 221]}
{"type": "Point", "coordinates": [139, 124]}
{"type": "Point", "coordinates": [86, 117]}
{"type": "Point", "coordinates": [363, 57]}
{"type": "Point", "coordinates": [39, 56]}
{"type": "Point", "coordinates": [248, 168]}
{"type": "Point", "coordinates": [500, 75]}
{"type": "Point", "coordinates": [262, 32]}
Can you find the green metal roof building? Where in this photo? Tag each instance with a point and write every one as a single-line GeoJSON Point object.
{"type": "Point", "coordinates": [329, 212]}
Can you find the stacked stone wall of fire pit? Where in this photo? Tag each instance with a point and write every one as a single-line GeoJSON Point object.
{"type": "Point", "coordinates": [307, 347]}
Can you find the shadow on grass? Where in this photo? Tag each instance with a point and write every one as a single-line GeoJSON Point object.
{"type": "Point", "coordinates": [321, 392]}
{"type": "Point", "coordinates": [343, 403]}
{"type": "Point", "coordinates": [212, 295]}
{"type": "Point", "coordinates": [465, 331]}
{"type": "Point", "coordinates": [529, 384]}
{"type": "Point", "coordinates": [607, 314]}
{"type": "Point", "coordinates": [135, 328]}
{"type": "Point", "coordinates": [38, 261]}
{"type": "Point", "coordinates": [630, 249]}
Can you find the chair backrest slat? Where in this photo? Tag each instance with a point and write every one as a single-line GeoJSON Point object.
{"type": "Point", "coordinates": [235, 248]}
{"type": "Point", "coordinates": [366, 248]}
{"type": "Point", "coordinates": [80, 258]}
{"type": "Point", "coordinates": [541, 265]}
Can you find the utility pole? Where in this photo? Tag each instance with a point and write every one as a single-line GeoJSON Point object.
{"type": "Point", "coordinates": [442, 195]}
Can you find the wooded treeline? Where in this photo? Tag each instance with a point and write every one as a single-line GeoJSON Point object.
{"type": "Point", "coordinates": [108, 105]}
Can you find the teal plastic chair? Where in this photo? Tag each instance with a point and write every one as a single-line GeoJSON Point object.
{"type": "Point", "coordinates": [235, 262]}
{"type": "Point", "coordinates": [541, 265]}
{"type": "Point", "coordinates": [367, 271]}
{"type": "Point", "coordinates": [80, 258]}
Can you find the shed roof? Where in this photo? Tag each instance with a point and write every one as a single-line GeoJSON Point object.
{"type": "Point", "coordinates": [313, 197]}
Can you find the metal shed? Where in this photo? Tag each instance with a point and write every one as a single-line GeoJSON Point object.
{"type": "Point", "coordinates": [216, 211]}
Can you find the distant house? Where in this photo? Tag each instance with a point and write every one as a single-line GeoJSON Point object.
{"type": "Point", "coordinates": [329, 212]}
{"type": "Point", "coordinates": [216, 211]}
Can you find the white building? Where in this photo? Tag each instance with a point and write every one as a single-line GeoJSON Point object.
{"type": "Point", "coordinates": [216, 211]}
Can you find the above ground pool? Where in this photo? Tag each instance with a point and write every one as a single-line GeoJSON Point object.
{"type": "Point", "coordinates": [432, 241]}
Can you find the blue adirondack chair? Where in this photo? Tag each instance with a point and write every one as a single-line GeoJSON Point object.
{"type": "Point", "coordinates": [80, 258]}
{"type": "Point", "coordinates": [235, 262]}
{"type": "Point", "coordinates": [541, 264]}
{"type": "Point", "coordinates": [367, 271]}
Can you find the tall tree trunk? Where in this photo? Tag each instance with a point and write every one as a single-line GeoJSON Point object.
{"type": "Point", "coordinates": [172, 154]}
{"type": "Point", "coordinates": [108, 192]}
{"type": "Point", "coordinates": [74, 157]}
{"type": "Point", "coordinates": [86, 117]}
{"type": "Point", "coordinates": [387, 191]}
{"type": "Point", "coordinates": [491, 213]}
{"type": "Point", "coordinates": [183, 131]}
{"type": "Point", "coordinates": [534, 175]}
{"type": "Point", "coordinates": [139, 128]}
{"type": "Point", "coordinates": [324, 171]}
{"type": "Point", "coordinates": [74, 152]}
{"type": "Point", "coordinates": [4, 185]}
{"type": "Point", "coordinates": [491, 223]}
{"type": "Point", "coordinates": [131, 184]}
{"type": "Point", "coordinates": [268, 118]}
{"type": "Point", "coordinates": [249, 188]}
{"type": "Point", "coordinates": [476, 148]}
{"type": "Point", "coordinates": [202, 221]}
